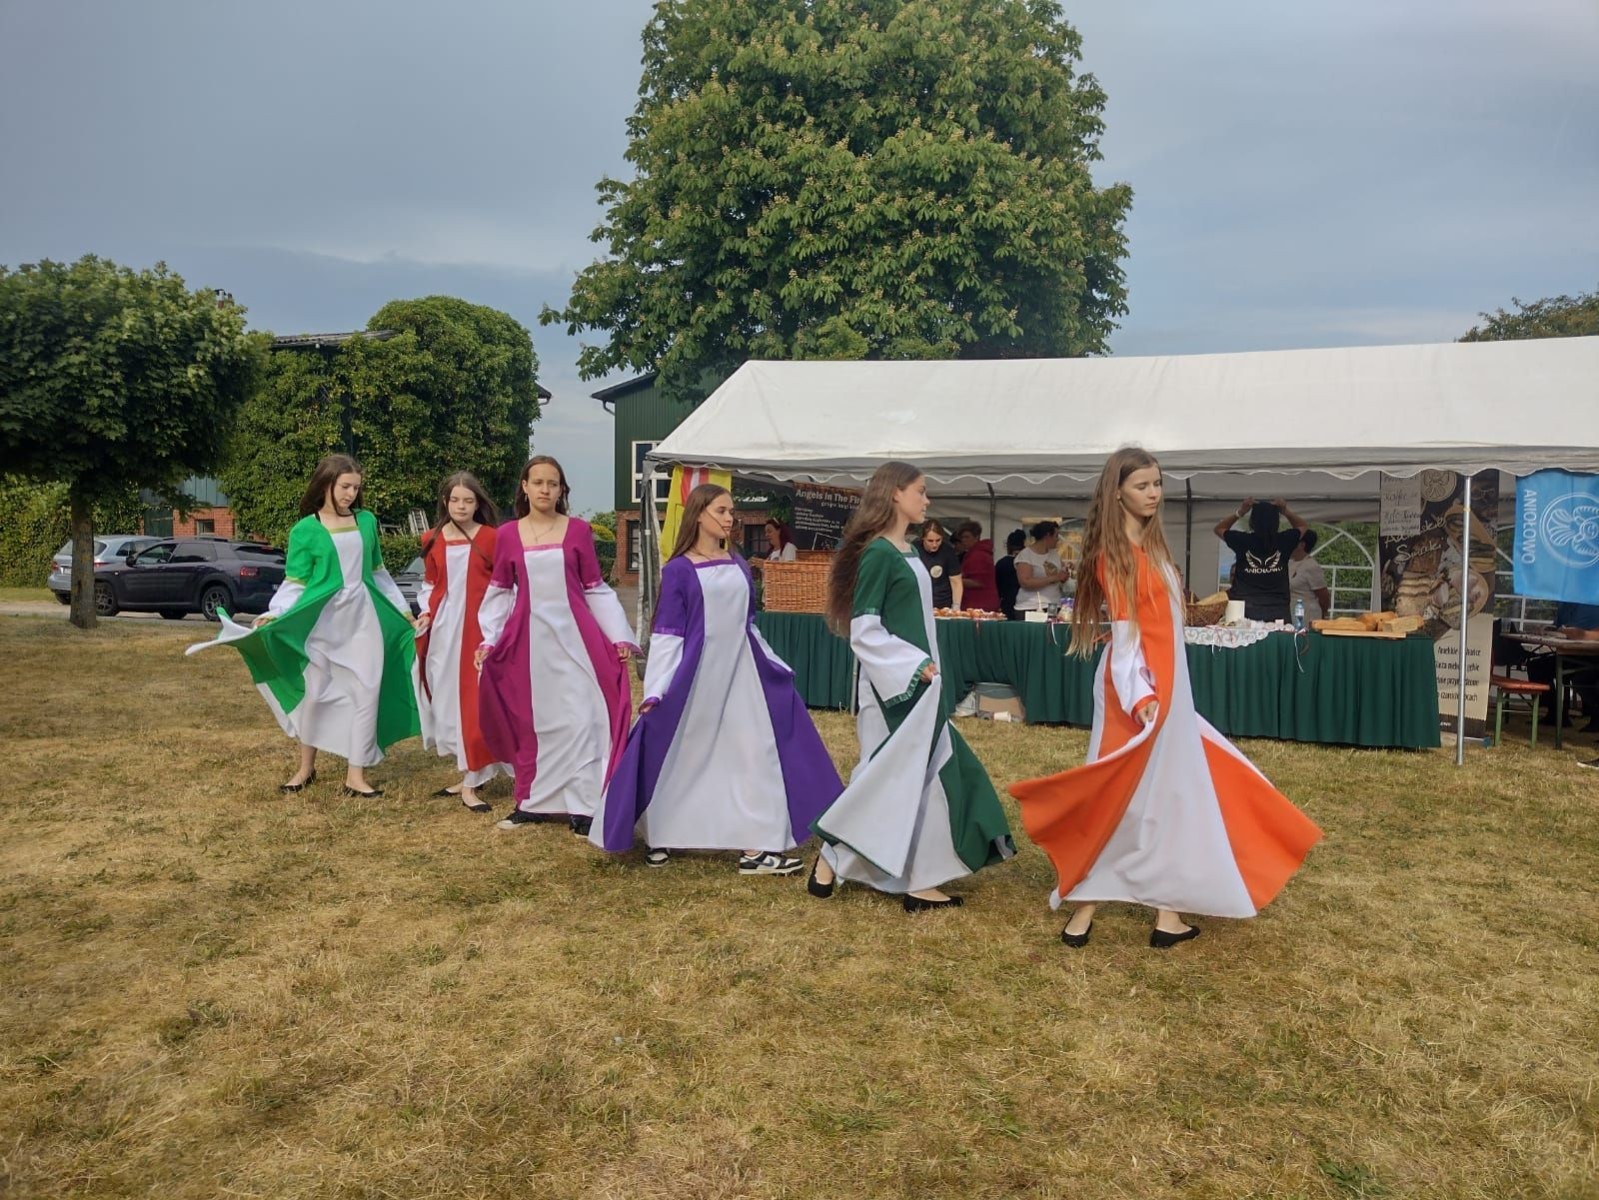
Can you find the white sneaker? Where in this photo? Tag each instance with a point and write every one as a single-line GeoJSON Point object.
{"type": "Point", "coordinates": [769, 864]}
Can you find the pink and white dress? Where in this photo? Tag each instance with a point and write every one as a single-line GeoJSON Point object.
{"type": "Point", "coordinates": [554, 699]}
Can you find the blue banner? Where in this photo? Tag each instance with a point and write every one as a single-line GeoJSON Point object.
{"type": "Point", "coordinates": [1557, 537]}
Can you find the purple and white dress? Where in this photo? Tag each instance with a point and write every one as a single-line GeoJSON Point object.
{"type": "Point", "coordinates": [553, 699]}
{"type": "Point", "coordinates": [728, 758]}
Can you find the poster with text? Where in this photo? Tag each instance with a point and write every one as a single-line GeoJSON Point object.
{"type": "Point", "coordinates": [820, 513]}
{"type": "Point", "coordinates": [1426, 573]}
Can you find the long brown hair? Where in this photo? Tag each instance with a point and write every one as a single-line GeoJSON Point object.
{"type": "Point", "coordinates": [522, 506]}
{"type": "Point", "coordinates": [484, 512]}
{"type": "Point", "coordinates": [688, 529]}
{"type": "Point", "coordinates": [1108, 576]}
{"type": "Point", "coordinates": [324, 477]}
{"type": "Point", "coordinates": [875, 515]}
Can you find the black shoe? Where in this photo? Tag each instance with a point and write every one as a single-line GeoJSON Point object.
{"type": "Point", "coordinates": [1077, 940]}
{"type": "Point", "coordinates": [446, 794]}
{"type": "Point", "coordinates": [372, 795]}
{"type": "Point", "coordinates": [582, 825]}
{"type": "Point", "coordinates": [657, 858]}
{"type": "Point", "coordinates": [288, 789]}
{"type": "Point", "coordinates": [1159, 939]}
{"type": "Point", "coordinates": [517, 820]}
{"type": "Point", "coordinates": [769, 863]}
{"type": "Point", "coordinates": [477, 806]}
{"type": "Point", "coordinates": [914, 904]}
{"type": "Point", "coordinates": [1591, 763]}
{"type": "Point", "coordinates": [820, 890]}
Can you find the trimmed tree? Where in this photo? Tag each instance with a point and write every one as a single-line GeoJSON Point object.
{"type": "Point", "coordinates": [854, 179]}
{"type": "Point", "coordinates": [113, 380]}
{"type": "Point", "coordinates": [452, 390]}
{"type": "Point", "coordinates": [1553, 316]}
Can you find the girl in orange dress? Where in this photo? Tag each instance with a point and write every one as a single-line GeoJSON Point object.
{"type": "Point", "coordinates": [1166, 812]}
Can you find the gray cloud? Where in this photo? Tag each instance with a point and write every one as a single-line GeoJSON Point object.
{"type": "Point", "coordinates": [1308, 174]}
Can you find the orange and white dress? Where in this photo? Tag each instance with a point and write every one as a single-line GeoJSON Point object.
{"type": "Point", "coordinates": [1168, 815]}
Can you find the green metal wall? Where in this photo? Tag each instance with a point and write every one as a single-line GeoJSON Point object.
{"type": "Point", "coordinates": [641, 416]}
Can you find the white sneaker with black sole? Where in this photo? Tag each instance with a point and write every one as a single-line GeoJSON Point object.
{"type": "Point", "coordinates": [769, 864]}
{"type": "Point", "coordinates": [657, 858]}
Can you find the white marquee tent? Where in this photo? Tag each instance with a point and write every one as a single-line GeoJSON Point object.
{"type": "Point", "coordinates": [1313, 425]}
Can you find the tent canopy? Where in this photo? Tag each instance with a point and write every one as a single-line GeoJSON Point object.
{"type": "Point", "coordinates": [1042, 427]}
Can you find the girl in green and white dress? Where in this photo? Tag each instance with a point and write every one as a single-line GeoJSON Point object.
{"type": "Point", "coordinates": [919, 810]}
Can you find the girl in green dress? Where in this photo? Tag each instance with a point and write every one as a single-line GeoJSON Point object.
{"type": "Point", "coordinates": [919, 810]}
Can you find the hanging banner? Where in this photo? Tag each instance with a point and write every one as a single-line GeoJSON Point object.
{"type": "Point", "coordinates": [684, 481]}
{"type": "Point", "coordinates": [1557, 537]}
{"type": "Point", "coordinates": [820, 514]}
{"type": "Point", "coordinates": [1425, 573]}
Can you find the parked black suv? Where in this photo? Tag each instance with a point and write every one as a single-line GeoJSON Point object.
{"type": "Point", "coordinates": [186, 575]}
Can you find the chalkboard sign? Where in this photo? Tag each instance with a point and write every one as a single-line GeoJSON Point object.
{"type": "Point", "coordinates": [820, 513]}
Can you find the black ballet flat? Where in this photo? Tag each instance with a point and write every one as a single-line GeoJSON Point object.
{"type": "Point", "coordinates": [1159, 939]}
{"type": "Point", "coordinates": [915, 904]}
{"type": "Point", "coordinates": [820, 890]}
{"type": "Point", "coordinates": [446, 794]}
{"type": "Point", "coordinates": [288, 789]}
{"type": "Point", "coordinates": [477, 806]}
{"type": "Point", "coordinates": [582, 825]}
{"type": "Point", "coordinates": [1077, 940]}
{"type": "Point", "coordinates": [372, 795]}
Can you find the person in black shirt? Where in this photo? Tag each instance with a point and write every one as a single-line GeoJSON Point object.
{"type": "Point", "coordinates": [1005, 577]}
{"type": "Point", "coordinates": [942, 563]}
{"type": "Point", "coordinates": [1262, 554]}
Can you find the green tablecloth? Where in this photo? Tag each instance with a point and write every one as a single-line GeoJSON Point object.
{"type": "Point", "coordinates": [1347, 691]}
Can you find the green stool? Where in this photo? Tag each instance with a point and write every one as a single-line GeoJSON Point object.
{"type": "Point", "coordinates": [1507, 687]}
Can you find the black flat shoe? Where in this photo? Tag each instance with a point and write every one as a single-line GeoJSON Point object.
{"type": "Point", "coordinates": [915, 904]}
{"type": "Point", "coordinates": [446, 794]}
{"type": "Point", "coordinates": [820, 890]}
{"type": "Point", "coordinates": [288, 789]}
{"type": "Point", "coordinates": [477, 806]}
{"type": "Point", "coordinates": [1077, 940]}
{"type": "Point", "coordinates": [372, 795]}
{"type": "Point", "coordinates": [1159, 939]}
{"type": "Point", "coordinates": [582, 825]}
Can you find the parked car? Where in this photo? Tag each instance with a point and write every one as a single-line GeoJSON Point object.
{"type": "Point", "coordinates": [179, 576]}
{"type": "Point", "coordinates": [409, 580]}
{"type": "Point", "coordinates": [108, 548]}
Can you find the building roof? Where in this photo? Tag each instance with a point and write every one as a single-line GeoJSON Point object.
{"type": "Point", "coordinates": [617, 390]}
{"type": "Point", "coordinates": [315, 341]}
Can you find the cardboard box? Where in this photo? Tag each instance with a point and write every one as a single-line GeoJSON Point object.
{"type": "Point", "coordinates": [1000, 708]}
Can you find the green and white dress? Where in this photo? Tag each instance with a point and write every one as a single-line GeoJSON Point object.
{"type": "Point", "coordinates": [919, 810]}
{"type": "Point", "coordinates": [335, 664]}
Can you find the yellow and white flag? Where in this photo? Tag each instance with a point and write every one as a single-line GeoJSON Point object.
{"type": "Point", "coordinates": [684, 481]}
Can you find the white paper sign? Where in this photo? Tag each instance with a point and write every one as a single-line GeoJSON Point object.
{"type": "Point", "coordinates": [1401, 507]}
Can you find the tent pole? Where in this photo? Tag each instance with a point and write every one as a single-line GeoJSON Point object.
{"type": "Point", "coordinates": [993, 512]}
{"type": "Point", "coordinates": [1188, 539]}
{"type": "Point", "coordinates": [1465, 619]}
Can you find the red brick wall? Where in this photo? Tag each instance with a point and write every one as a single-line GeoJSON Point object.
{"type": "Point", "coordinates": [222, 518]}
{"type": "Point", "coordinates": [750, 518]}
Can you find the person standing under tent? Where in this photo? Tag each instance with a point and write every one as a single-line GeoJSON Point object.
{"type": "Point", "coordinates": [1006, 581]}
{"type": "Point", "coordinates": [977, 568]}
{"type": "Point", "coordinates": [1040, 572]}
{"type": "Point", "coordinates": [919, 810]}
{"type": "Point", "coordinates": [554, 699]}
{"type": "Point", "coordinates": [1166, 812]}
{"type": "Point", "coordinates": [333, 653]}
{"type": "Point", "coordinates": [723, 755]}
{"type": "Point", "coordinates": [1262, 555]}
{"type": "Point", "coordinates": [943, 566]}
{"type": "Point", "coordinates": [1307, 581]}
{"type": "Point", "coordinates": [458, 560]}
{"type": "Point", "coordinates": [781, 538]}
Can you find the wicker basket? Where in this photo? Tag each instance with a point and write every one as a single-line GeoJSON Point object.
{"type": "Point", "coordinates": [1205, 612]}
{"type": "Point", "coordinates": [797, 586]}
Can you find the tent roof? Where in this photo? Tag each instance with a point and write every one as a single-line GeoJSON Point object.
{"type": "Point", "coordinates": [1034, 426]}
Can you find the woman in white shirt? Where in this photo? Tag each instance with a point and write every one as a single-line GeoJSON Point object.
{"type": "Point", "coordinates": [781, 539]}
{"type": "Point", "coordinates": [1040, 571]}
{"type": "Point", "coordinates": [1307, 581]}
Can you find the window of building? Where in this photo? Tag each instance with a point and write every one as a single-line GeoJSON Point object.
{"type": "Point", "coordinates": [633, 547]}
{"type": "Point", "coordinates": [663, 483]}
{"type": "Point", "coordinates": [205, 525]}
{"type": "Point", "coordinates": [756, 544]}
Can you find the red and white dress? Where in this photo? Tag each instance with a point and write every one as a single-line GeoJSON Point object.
{"type": "Point", "coordinates": [455, 579]}
{"type": "Point", "coordinates": [1168, 815]}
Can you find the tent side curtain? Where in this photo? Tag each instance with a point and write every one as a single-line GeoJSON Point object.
{"type": "Point", "coordinates": [1028, 426]}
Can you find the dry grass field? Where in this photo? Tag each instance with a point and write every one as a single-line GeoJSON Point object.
{"type": "Point", "coordinates": [210, 990]}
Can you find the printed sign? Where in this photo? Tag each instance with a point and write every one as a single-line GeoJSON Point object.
{"type": "Point", "coordinates": [1557, 537]}
{"type": "Point", "coordinates": [820, 514]}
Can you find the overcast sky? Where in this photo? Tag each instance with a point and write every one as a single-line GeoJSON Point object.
{"type": "Point", "coordinates": [1305, 174]}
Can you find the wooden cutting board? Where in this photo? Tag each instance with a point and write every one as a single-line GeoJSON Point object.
{"type": "Point", "coordinates": [1365, 633]}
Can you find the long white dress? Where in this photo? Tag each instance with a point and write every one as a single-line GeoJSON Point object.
{"type": "Point", "coordinates": [440, 711]}
{"type": "Point", "coordinates": [571, 720]}
{"type": "Point", "coordinates": [344, 661]}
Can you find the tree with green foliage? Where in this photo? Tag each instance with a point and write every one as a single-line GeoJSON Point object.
{"type": "Point", "coordinates": [452, 390]}
{"type": "Point", "coordinates": [113, 380]}
{"type": "Point", "coordinates": [854, 179]}
{"type": "Point", "coordinates": [1553, 316]}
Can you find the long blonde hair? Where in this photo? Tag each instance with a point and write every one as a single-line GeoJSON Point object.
{"type": "Point", "coordinates": [875, 515]}
{"type": "Point", "coordinates": [1108, 577]}
{"type": "Point", "coordinates": [688, 529]}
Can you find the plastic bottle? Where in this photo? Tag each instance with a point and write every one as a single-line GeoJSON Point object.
{"type": "Point", "coordinates": [1299, 616]}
